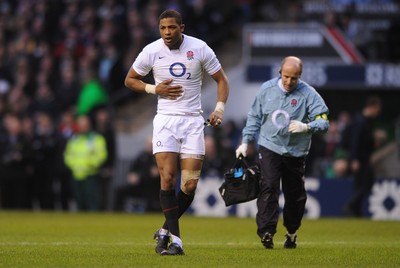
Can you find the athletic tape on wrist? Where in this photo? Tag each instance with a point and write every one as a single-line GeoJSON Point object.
{"type": "Point", "coordinates": [151, 89]}
{"type": "Point", "coordinates": [220, 107]}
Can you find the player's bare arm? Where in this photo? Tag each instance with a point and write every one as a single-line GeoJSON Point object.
{"type": "Point", "coordinates": [134, 82]}
{"type": "Point", "coordinates": [217, 115]}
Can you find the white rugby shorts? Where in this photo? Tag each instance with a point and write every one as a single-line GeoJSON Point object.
{"type": "Point", "coordinates": [178, 133]}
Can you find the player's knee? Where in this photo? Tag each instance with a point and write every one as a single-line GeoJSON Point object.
{"type": "Point", "coordinates": [167, 183]}
{"type": "Point", "coordinates": [189, 187]}
{"type": "Point", "coordinates": [189, 181]}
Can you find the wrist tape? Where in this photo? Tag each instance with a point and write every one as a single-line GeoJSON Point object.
{"type": "Point", "coordinates": [150, 89]}
{"type": "Point", "coordinates": [220, 107]}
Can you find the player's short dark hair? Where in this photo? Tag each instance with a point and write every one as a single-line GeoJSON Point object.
{"type": "Point", "coordinates": [171, 13]}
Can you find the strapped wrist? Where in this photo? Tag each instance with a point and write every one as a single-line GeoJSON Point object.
{"type": "Point", "coordinates": [150, 89]}
{"type": "Point", "coordinates": [220, 107]}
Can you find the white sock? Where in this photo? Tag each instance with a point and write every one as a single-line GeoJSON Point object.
{"type": "Point", "coordinates": [176, 240]}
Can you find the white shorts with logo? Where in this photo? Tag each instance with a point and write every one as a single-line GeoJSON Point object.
{"type": "Point", "coordinates": [178, 133]}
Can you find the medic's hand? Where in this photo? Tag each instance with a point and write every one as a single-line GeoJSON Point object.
{"type": "Point", "coordinates": [297, 127]}
{"type": "Point", "coordinates": [242, 150]}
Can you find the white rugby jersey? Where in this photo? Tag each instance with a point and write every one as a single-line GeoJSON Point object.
{"type": "Point", "coordinates": [184, 65]}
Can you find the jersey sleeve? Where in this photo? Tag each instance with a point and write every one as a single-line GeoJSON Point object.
{"type": "Point", "coordinates": [211, 64]}
{"type": "Point", "coordinates": [142, 64]}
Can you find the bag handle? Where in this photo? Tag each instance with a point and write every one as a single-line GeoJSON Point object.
{"type": "Point", "coordinates": [241, 161]}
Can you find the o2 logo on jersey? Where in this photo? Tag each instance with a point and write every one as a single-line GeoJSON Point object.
{"type": "Point", "coordinates": [178, 69]}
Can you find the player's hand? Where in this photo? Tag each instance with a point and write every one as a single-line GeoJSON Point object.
{"type": "Point", "coordinates": [242, 150]}
{"type": "Point", "coordinates": [297, 127]}
{"type": "Point", "coordinates": [165, 90]}
{"type": "Point", "coordinates": [215, 119]}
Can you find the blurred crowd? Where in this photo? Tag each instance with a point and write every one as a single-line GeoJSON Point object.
{"type": "Point", "coordinates": [49, 50]}
{"type": "Point", "coordinates": [329, 158]}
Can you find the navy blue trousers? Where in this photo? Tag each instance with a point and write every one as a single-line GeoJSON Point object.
{"type": "Point", "coordinates": [275, 169]}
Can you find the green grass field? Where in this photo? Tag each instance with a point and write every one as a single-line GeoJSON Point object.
{"type": "Point", "coordinates": [29, 239]}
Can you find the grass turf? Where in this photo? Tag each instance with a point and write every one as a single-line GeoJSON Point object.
{"type": "Point", "coordinates": [39, 239]}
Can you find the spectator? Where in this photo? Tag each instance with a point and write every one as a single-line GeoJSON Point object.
{"type": "Point", "coordinates": [23, 76]}
{"type": "Point", "coordinates": [14, 163]}
{"type": "Point", "coordinates": [110, 68]}
{"type": "Point", "coordinates": [143, 183]}
{"type": "Point", "coordinates": [67, 128]}
{"type": "Point", "coordinates": [104, 127]}
{"type": "Point", "coordinates": [360, 145]}
{"type": "Point", "coordinates": [44, 101]}
{"type": "Point", "coordinates": [229, 137]}
{"type": "Point", "coordinates": [316, 157]}
{"type": "Point", "coordinates": [213, 164]}
{"type": "Point", "coordinates": [68, 88]}
{"type": "Point", "coordinates": [5, 72]}
{"type": "Point", "coordinates": [84, 155]}
{"type": "Point", "coordinates": [70, 44]}
{"type": "Point", "coordinates": [45, 145]}
{"type": "Point", "coordinates": [92, 95]}
{"type": "Point", "coordinates": [87, 21]}
{"type": "Point", "coordinates": [343, 121]}
{"type": "Point", "coordinates": [18, 101]}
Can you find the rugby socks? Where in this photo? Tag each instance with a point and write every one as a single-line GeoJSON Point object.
{"type": "Point", "coordinates": [170, 208]}
{"type": "Point", "coordinates": [184, 202]}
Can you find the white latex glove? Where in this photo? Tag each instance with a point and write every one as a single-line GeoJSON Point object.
{"type": "Point", "coordinates": [242, 150]}
{"type": "Point", "coordinates": [297, 127]}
